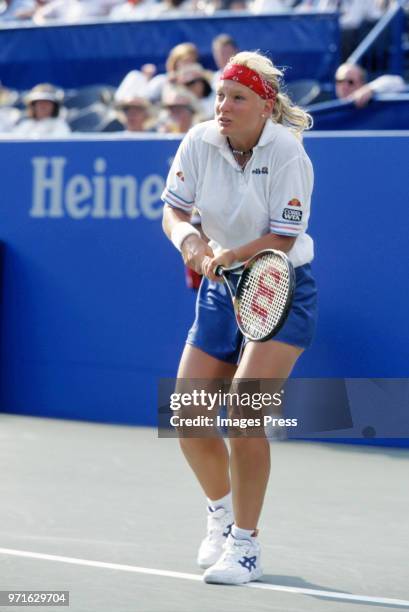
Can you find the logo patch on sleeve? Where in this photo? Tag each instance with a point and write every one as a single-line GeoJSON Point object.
{"type": "Point", "coordinates": [289, 214]}
{"type": "Point", "coordinates": [294, 202]}
{"type": "Point", "coordinates": [180, 175]}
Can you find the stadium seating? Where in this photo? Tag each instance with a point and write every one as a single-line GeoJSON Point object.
{"type": "Point", "coordinates": [86, 96]}
{"type": "Point", "coordinates": [89, 119]}
{"type": "Point", "coordinates": [303, 91]}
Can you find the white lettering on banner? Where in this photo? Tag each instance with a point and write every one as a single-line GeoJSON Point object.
{"type": "Point", "coordinates": [151, 190]}
{"type": "Point", "coordinates": [78, 190]}
{"type": "Point", "coordinates": [99, 196]}
{"type": "Point", "coordinates": [42, 183]}
{"type": "Point", "coordinates": [123, 185]}
{"type": "Point", "coordinates": [98, 211]}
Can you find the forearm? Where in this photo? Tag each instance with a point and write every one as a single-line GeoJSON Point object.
{"type": "Point", "coordinates": [192, 246]}
{"type": "Point", "coordinates": [269, 241]}
{"type": "Point", "coordinates": [388, 83]}
{"type": "Point", "coordinates": [171, 217]}
{"type": "Point", "coordinates": [245, 252]}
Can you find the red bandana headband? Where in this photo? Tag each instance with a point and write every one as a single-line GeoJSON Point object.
{"type": "Point", "coordinates": [249, 78]}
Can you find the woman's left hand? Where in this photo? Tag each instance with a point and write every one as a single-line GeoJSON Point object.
{"type": "Point", "coordinates": [225, 258]}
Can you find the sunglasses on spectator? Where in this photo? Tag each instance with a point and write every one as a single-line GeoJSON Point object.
{"type": "Point", "coordinates": [127, 109]}
{"type": "Point", "coordinates": [176, 108]}
{"type": "Point", "coordinates": [193, 81]}
{"type": "Point", "coordinates": [348, 81]}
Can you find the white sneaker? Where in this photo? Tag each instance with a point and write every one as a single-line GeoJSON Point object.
{"type": "Point", "coordinates": [240, 563]}
{"type": "Point", "coordinates": [219, 524]}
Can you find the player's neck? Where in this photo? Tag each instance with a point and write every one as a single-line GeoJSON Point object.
{"type": "Point", "coordinates": [244, 144]}
{"type": "Point", "coordinates": [241, 147]}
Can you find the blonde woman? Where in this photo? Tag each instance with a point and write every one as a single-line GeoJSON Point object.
{"type": "Point", "coordinates": [247, 173]}
{"type": "Point", "coordinates": [179, 56]}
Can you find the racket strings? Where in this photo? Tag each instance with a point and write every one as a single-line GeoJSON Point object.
{"type": "Point", "coordinates": [263, 296]}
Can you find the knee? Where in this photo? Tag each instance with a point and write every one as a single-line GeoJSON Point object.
{"type": "Point", "coordinates": [249, 447]}
{"type": "Point", "coordinates": [201, 445]}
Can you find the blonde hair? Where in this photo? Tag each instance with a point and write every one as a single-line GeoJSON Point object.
{"type": "Point", "coordinates": [284, 111]}
{"type": "Point", "coordinates": [182, 51]}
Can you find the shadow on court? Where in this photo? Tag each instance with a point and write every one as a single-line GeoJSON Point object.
{"type": "Point", "coordinates": [113, 515]}
{"type": "Point", "coordinates": [295, 581]}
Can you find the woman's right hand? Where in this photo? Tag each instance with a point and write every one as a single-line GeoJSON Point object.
{"type": "Point", "coordinates": [194, 250]}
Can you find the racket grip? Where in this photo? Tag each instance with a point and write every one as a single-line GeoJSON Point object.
{"type": "Point", "coordinates": [219, 271]}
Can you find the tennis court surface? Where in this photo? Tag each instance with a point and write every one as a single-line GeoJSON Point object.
{"type": "Point", "coordinates": [113, 515]}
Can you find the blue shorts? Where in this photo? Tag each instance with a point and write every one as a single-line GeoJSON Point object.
{"type": "Point", "coordinates": [215, 330]}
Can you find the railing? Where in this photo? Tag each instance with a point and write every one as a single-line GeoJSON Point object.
{"type": "Point", "coordinates": [395, 18]}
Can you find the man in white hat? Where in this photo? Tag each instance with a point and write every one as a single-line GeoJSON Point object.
{"type": "Point", "coordinates": [181, 110]}
{"type": "Point", "coordinates": [135, 113]}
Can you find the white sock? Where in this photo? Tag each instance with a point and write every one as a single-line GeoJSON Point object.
{"type": "Point", "coordinates": [243, 534]}
{"type": "Point", "coordinates": [224, 502]}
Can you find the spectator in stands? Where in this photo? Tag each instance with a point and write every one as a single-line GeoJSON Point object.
{"type": "Point", "coordinates": [197, 80]}
{"type": "Point", "coordinates": [180, 110]}
{"type": "Point", "coordinates": [141, 9]}
{"type": "Point", "coordinates": [73, 11]}
{"type": "Point", "coordinates": [43, 109]}
{"type": "Point", "coordinates": [17, 9]}
{"type": "Point", "coordinates": [134, 85]}
{"type": "Point", "coordinates": [136, 9]}
{"type": "Point", "coordinates": [135, 114]}
{"type": "Point", "coordinates": [175, 7]}
{"type": "Point", "coordinates": [231, 5]}
{"type": "Point", "coordinates": [8, 119]}
{"type": "Point", "coordinates": [356, 12]}
{"type": "Point", "coordinates": [351, 84]}
{"type": "Point", "coordinates": [9, 115]}
{"type": "Point", "coordinates": [357, 17]}
{"type": "Point", "coordinates": [223, 48]}
{"type": "Point", "coordinates": [353, 12]}
{"type": "Point", "coordinates": [179, 56]}
{"type": "Point", "coordinates": [259, 7]}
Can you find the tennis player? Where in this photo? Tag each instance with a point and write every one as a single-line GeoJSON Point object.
{"type": "Point", "coordinates": [249, 176]}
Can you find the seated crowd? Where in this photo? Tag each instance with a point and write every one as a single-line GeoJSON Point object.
{"type": "Point", "coordinates": [356, 17]}
{"type": "Point", "coordinates": [353, 12]}
{"type": "Point", "coordinates": [171, 102]}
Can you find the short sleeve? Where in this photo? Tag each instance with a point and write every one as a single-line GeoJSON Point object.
{"type": "Point", "coordinates": [289, 206]}
{"type": "Point", "coordinates": [180, 190]}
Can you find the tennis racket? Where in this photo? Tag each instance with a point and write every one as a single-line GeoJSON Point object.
{"type": "Point", "coordinates": [263, 295]}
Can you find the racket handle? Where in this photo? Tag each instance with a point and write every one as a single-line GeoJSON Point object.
{"type": "Point", "coordinates": [219, 271]}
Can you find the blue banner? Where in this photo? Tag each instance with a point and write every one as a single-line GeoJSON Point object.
{"type": "Point", "coordinates": [70, 56]}
{"type": "Point", "coordinates": [94, 303]}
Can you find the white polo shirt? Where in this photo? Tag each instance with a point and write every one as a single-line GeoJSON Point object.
{"type": "Point", "coordinates": [271, 195]}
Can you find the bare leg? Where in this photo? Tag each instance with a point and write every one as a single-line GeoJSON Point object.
{"type": "Point", "coordinates": [207, 456]}
{"type": "Point", "coordinates": [250, 457]}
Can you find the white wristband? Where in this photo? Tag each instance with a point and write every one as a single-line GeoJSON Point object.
{"type": "Point", "coordinates": [181, 231]}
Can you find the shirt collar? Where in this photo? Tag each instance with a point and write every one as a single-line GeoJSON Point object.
{"type": "Point", "coordinates": [212, 135]}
